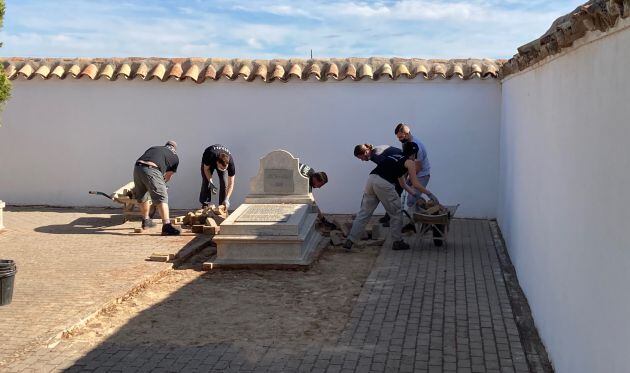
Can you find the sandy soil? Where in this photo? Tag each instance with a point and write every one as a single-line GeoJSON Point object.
{"type": "Point", "coordinates": [189, 307]}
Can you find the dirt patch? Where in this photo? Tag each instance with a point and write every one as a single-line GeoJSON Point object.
{"type": "Point", "coordinates": [188, 307]}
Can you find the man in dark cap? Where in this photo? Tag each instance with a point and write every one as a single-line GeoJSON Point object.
{"type": "Point", "coordinates": [152, 171]}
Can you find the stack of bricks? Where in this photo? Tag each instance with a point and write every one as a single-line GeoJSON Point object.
{"type": "Point", "coordinates": [206, 220]}
{"type": "Point", "coordinates": [430, 207]}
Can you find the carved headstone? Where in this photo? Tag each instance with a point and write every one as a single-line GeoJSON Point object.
{"type": "Point", "coordinates": [279, 180]}
{"type": "Point", "coordinates": [276, 224]}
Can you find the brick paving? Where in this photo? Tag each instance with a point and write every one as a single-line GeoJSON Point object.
{"type": "Point", "coordinates": [70, 263]}
{"type": "Point", "coordinates": [425, 310]}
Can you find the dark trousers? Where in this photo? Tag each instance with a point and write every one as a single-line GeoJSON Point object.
{"type": "Point", "coordinates": [204, 195]}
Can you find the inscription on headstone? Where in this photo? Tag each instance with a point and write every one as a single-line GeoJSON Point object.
{"type": "Point", "coordinates": [266, 213]}
{"type": "Point", "coordinates": [278, 181]}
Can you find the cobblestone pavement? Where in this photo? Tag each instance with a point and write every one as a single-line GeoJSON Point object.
{"type": "Point", "coordinates": [70, 262]}
{"type": "Point", "coordinates": [430, 309]}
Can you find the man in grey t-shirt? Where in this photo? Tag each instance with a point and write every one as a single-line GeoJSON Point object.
{"type": "Point", "coordinates": [403, 133]}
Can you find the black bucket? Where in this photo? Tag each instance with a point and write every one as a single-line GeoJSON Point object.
{"type": "Point", "coordinates": [7, 279]}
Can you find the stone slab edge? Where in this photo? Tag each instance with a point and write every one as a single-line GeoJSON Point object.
{"type": "Point", "coordinates": [303, 264]}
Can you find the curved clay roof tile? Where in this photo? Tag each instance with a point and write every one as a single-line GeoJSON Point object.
{"type": "Point", "coordinates": [261, 71]}
{"type": "Point", "coordinates": [227, 71]}
{"type": "Point", "coordinates": [107, 72]}
{"type": "Point", "coordinates": [176, 71]}
{"type": "Point", "coordinates": [200, 69]}
{"type": "Point", "coordinates": [143, 70]}
{"type": "Point", "coordinates": [125, 70]}
{"type": "Point", "coordinates": [386, 69]}
{"type": "Point", "coordinates": [350, 71]}
{"type": "Point", "coordinates": [315, 69]}
{"type": "Point", "coordinates": [333, 70]}
{"type": "Point", "coordinates": [10, 70]}
{"type": "Point", "coordinates": [211, 72]}
{"type": "Point", "coordinates": [90, 70]}
{"type": "Point", "coordinates": [475, 68]}
{"type": "Point", "coordinates": [491, 69]}
{"type": "Point", "coordinates": [158, 71]}
{"type": "Point", "coordinates": [295, 70]}
{"type": "Point", "coordinates": [278, 72]}
{"type": "Point", "coordinates": [458, 70]}
{"type": "Point", "coordinates": [401, 69]}
{"type": "Point", "coordinates": [366, 71]}
{"type": "Point", "coordinates": [26, 70]}
{"type": "Point", "coordinates": [43, 71]}
{"type": "Point", "coordinates": [192, 73]}
{"type": "Point", "coordinates": [58, 71]}
{"type": "Point", "coordinates": [422, 69]}
{"type": "Point", "coordinates": [245, 72]}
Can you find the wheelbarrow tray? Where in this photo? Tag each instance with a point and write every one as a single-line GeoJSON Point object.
{"type": "Point", "coordinates": [439, 224]}
{"type": "Point", "coordinates": [436, 219]}
{"type": "Point", "coordinates": [121, 196]}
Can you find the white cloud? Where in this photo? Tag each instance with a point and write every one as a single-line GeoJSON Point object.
{"type": "Point", "coordinates": [277, 28]}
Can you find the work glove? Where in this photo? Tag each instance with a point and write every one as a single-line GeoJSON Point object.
{"type": "Point", "coordinates": [226, 203]}
{"type": "Point", "coordinates": [433, 198]}
{"type": "Point", "coordinates": [211, 188]}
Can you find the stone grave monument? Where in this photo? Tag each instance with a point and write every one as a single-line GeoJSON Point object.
{"type": "Point", "coordinates": [276, 224]}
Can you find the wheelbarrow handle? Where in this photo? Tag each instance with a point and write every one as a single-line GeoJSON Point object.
{"type": "Point", "coordinates": [101, 194]}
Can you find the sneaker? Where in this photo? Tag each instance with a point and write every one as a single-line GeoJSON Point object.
{"type": "Point", "coordinates": [170, 230]}
{"type": "Point", "coordinates": [147, 223]}
{"type": "Point", "coordinates": [384, 219]}
{"type": "Point", "coordinates": [409, 228]}
{"type": "Point", "coordinates": [400, 245]}
{"type": "Point", "coordinates": [347, 245]}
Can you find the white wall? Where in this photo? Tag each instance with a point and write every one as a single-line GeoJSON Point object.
{"type": "Point", "coordinates": [564, 205]}
{"type": "Point", "coordinates": [60, 139]}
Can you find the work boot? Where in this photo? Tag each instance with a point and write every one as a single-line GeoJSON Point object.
{"type": "Point", "coordinates": [400, 245]}
{"type": "Point", "coordinates": [384, 219]}
{"type": "Point", "coordinates": [347, 245]}
{"type": "Point", "coordinates": [170, 230]}
{"type": "Point", "coordinates": [147, 223]}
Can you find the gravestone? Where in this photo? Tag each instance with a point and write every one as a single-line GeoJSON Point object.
{"type": "Point", "coordinates": [276, 224]}
{"type": "Point", "coordinates": [279, 181]}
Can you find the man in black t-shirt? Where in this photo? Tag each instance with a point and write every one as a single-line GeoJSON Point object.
{"type": "Point", "coordinates": [151, 172]}
{"type": "Point", "coordinates": [217, 157]}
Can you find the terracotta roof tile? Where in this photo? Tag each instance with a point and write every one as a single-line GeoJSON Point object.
{"type": "Point", "coordinates": [598, 15]}
{"type": "Point", "coordinates": [201, 70]}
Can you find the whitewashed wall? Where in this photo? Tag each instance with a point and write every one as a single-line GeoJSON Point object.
{"type": "Point", "coordinates": [564, 206]}
{"type": "Point", "coordinates": [60, 139]}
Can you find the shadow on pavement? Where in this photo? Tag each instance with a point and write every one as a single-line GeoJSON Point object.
{"type": "Point", "coordinates": [89, 225]}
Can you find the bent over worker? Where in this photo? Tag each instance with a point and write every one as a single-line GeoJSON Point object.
{"type": "Point", "coordinates": [315, 179]}
{"type": "Point", "coordinates": [217, 157]}
{"type": "Point", "coordinates": [423, 167]}
{"type": "Point", "coordinates": [152, 171]}
{"type": "Point", "coordinates": [376, 154]}
{"type": "Point", "coordinates": [380, 188]}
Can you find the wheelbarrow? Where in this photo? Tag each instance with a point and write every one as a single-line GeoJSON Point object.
{"type": "Point", "coordinates": [124, 196]}
{"type": "Point", "coordinates": [439, 224]}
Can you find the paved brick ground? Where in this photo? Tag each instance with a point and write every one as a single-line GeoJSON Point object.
{"type": "Point", "coordinates": [70, 262]}
{"type": "Point", "coordinates": [425, 310]}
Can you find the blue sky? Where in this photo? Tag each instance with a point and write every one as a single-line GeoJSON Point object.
{"type": "Point", "coordinates": [276, 28]}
